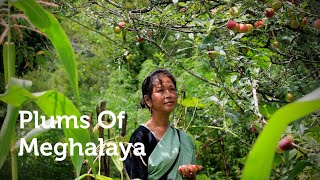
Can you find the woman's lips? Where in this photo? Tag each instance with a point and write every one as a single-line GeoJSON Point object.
{"type": "Point", "coordinates": [169, 103]}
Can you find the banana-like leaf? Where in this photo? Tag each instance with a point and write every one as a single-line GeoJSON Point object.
{"type": "Point", "coordinates": [7, 132]}
{"type": "Point", "coordinates": [48, 24]}
{"type": "Point", "coordinates": [53, 103]}
{"type": "Point", "coordinates": [35, 133]}
{"type": "Point", "coordinates": [8, 127]}
{"type": "Point", "coordinates": [259, 162]}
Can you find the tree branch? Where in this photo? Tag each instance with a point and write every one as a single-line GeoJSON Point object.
{"type": "Point", "coordinates": [255, 100]}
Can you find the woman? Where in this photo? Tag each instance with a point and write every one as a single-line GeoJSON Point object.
{"type": "Point", "coordinates": [170, 153]}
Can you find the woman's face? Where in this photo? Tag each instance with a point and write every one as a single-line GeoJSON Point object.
{"type": "Point", "coordinates": [164, 96]}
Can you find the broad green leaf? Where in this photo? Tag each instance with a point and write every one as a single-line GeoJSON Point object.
{"type": "Point", "coordinates": [99, 177]}
{"type": "Point", "coordinates": [34, 133]}
{"type": "Point", "coordinates": [16, 96]}
{"type": "Point", "coordinates": [259, 163]}
{"type": "Point", "coordinates": [7, 132]}
{"type": "Point", "coordinates": [48, 24]}
{"type": "Point", "coordinates": [53, 103]}
{"type": "Point", "coordinates": [8, 127]}
{"type": "Point", "coordinates": [116, 160]}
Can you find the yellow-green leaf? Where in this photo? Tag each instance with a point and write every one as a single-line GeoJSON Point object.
{"type": "Point", "coordinates": [48, 24]}
{"type": "Point", "coordinates": [259, 163]}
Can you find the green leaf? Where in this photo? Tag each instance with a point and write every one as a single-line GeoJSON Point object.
{"type": "Point", "coordinates": [267, 110]}
{"type": "Point", "coordinates": [314, 133]}
{"type": "Point", "coordinates": [48, 24]}
{"type": "Point", "coordinates": [35, 133]}
{"type": "Point", "coordinates": [277, 160]}
{"type": "Point", "coordinates": [202, 177]}
{"type": "Point", "coordinates": [56, 104]}
{"type": "Point", "coordinates": [53, 103]}
{"type": "Point", "coordinates": [262, 61]}
{"type": "Point", "coordinates": [233, 78]}
{"type": "Point", "coordinates": [259, 163]}
{"type": "Point", "coordinates": [298, 168]}
{"type": "Point", "coordinates": [192, 102]}
{"type": "Point", "coordinates": [8, 127]}
{"type": "Point", "coordinates": [7, 132]}
{"type": "Point", "coordinates": [116, 160]}
{"type": "Point", "coordinates": [16, 96]}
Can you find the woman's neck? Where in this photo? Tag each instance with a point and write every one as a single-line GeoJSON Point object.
{"type": "Point", "coordinates": [160, 119]}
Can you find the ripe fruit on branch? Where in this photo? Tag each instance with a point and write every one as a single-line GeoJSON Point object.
{"type": "Point", "coordinates": [253, 128]}
{"type": "Point", "coordinates": [122, 24]}
{"type": "Point", "coordinates": [285, 144]}
{"type": "Point", "coordinates": [231, 24]}
{"type": "Point", "coordinates": [275, 43]}
{"type": "Point", "coordinates": [276, 4]}
{"type": "Point", "coordinates": [269, 12]}
{"type": "Point", "coordinates": [139, 39]}
{"type": "Point", "coordinates": [304, 22]}
{"type": "Point", "coordinates": [243, 28]}
{"type": "Point", "coordinates": [259, 24]}
{"type": "Point", "coordinates": [237, 28]}
{"type": "Point", "coordinates": [250, 28]}
{"type": "Point", "coordinates": [117, 30]}
{"type": "Point", "coordinates": [150, 33]}
{"type": "Point", "coordinates": [196, 168]}
{"type": "Point", "coordinates": [182, 10]}
{"type": "Point", "coordinates": [129, 57]}
{"type": "Point", "coordinates": [289, 97]}
{"type": "Point", "coordinates": [234, 11]}
{"type": "Point", "coordinates": [244, 50]}
{"type": "Point", "coordinates": [294, 24]}
{"type": "Point", "coordinates": [316, 24]}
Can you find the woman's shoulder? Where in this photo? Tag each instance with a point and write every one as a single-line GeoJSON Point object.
{"type": "Point", "coordinates": [142, 134]}
{"type": "Point", "coordinates": [140, 131]}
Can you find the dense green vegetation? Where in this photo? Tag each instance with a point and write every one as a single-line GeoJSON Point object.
{"type": "Point", "coordinates": [230, 83]}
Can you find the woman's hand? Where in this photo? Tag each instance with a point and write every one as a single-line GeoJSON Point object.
{"type": "Point", "coordinates": [190, 170]}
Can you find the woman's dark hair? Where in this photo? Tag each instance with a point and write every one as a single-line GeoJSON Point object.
{"type": "Point", "coordinates": [147, 85]}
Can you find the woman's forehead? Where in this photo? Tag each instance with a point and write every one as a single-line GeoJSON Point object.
{"type": "Point", "coordinates": [162, 80]}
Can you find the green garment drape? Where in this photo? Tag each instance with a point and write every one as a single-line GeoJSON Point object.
{"type": "Point", "coordinates": [165, 153]}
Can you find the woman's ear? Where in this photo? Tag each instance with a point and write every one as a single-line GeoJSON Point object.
{"type": "Point", "coordinates": [147, 100]}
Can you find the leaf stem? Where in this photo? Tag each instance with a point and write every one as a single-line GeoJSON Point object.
{"type": "Point", "coordinates": [14, 159]}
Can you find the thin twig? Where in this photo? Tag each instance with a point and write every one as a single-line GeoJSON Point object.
{"type": "Point", "coordinates": [255, 102]}
{"type": "Point", "coordinates": [94, 31]}
{"type": "Point", "coordinates": [194, 112]}
{"type": "Point", "coordinates": [30, 28]}
{"type": "Point", "coordinates": [4, 34]}
{"type": "Point", "coordinates": [48, 4]}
